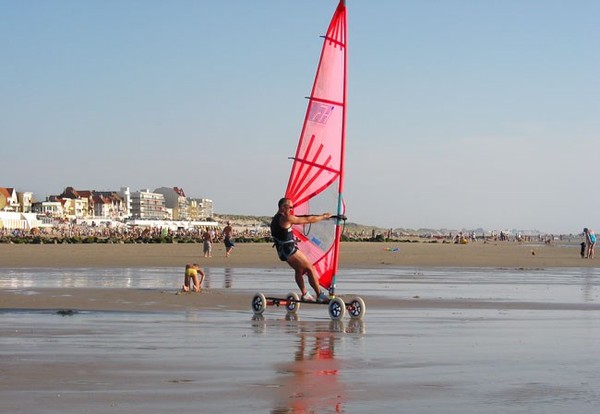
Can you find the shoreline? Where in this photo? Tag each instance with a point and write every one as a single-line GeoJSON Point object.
{"type": "Point", "coordinates": [353, 255]}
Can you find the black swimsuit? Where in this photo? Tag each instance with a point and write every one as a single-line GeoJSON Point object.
{"type": "Point", "coordinates": [283, 238]}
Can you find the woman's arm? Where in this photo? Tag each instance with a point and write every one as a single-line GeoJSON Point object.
{"type": "Point", "coordinates": [291, 219]}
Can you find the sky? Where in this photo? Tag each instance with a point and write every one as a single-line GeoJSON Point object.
{"type": "Point", "coordinates": [462, 114]}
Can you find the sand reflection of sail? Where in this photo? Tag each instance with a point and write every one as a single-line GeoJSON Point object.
{"type": "Point", "coordinates": [310, 383]}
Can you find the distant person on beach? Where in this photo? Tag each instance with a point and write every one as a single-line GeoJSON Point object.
{"type": "Point", "coordinates": [281, 231]}
{"type": "Point", "coordinates": [590, 241]}
{"type": "Point", "coordinates": [207, 243]}
{"type": "Point", "coordinates": [228, 239]}
{"type": "Point", "coordinates": [191, 282]}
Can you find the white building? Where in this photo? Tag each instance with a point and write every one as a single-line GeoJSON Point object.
{"type": "Point", "coordinates": [202, 208]}
{"type": "Point", "coordinates": [147, 205]}
{"type": "Point", "coordinates": [126, 206]}
{"type": "Point", "coordinates": [49, 208]}
{"type": "Point", "coordinates": [25, 201]}
{"type": "Point", "coordinates": [23, 221]}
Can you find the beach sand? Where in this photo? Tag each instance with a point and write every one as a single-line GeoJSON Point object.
{"type": "Point", "coordinates": [136, 350]}
{"type": "Point", "coordinates": [353, 255]}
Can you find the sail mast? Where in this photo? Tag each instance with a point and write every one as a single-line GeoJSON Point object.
{"type": "Point", "coordinates": [340, 207]}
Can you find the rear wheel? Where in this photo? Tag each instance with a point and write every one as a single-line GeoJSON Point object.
{"type": "Point", "coordinates": [259, 304]}
{"type": "Point", "coordinates": [293, 304]}
{"type": "Point", "coordinates": [357, 308]}
{"type": "Point", "coordinates": [337, 309]}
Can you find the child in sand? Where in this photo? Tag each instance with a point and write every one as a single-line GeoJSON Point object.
{"type": "Point", "coordinates": [191, 275]}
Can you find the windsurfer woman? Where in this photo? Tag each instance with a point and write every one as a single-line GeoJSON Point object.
{"type": "Point", "coordinates": [281, 230]}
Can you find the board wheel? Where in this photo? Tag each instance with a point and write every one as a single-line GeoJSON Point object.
{"type": "Point", "coordinates": [357, 308]}
{"type": "Point", "coordinates": [293, 304]}
{"type": "Point", "coordinates": [259, 303]}
{"type": "Point", "coordinates": [337, 309]}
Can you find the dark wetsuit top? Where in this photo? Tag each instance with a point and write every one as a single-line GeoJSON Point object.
{"type": "Point", "coordinates": [283, 238]}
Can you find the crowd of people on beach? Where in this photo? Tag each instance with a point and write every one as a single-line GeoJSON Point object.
{"type": "Point", "coordinates": [76, 233]}
{"type": "Point", "coordinates": [70, 232]}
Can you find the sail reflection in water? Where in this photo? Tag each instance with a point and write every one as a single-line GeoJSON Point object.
{"type": "Point", "coordinates": [312, 381]}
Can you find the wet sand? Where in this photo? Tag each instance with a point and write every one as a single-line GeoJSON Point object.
{"type": "Point", "coordinates": [258, 255]}
{"type": "Point", "coordinates": [455, 328]}
{"type": "Point", "coordinates": [418, 361]}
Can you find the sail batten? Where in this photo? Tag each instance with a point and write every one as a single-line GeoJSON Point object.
{"type": "Point", "coordinates": [317, 175]}
{"type": "Point", "coordinates": [317, 99]}
{"type": "Point", "coordinates": [313, 164]}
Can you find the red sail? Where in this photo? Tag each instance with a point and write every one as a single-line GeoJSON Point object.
{"type": "Point", "coordinates": [316, 181]}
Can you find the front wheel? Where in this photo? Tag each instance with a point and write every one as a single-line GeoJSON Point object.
{"type": "Point", "coordinates": [337, 309]}
{"type": "Point", "coordinates": [357, 308]}
{"type": "Point", "coordinates": [293, 303]}
{"type": "Point", "coordinates": [259, 303]}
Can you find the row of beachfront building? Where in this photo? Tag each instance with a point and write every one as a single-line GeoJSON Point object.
{"type": "Point", "coordinates": [163, 203]}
